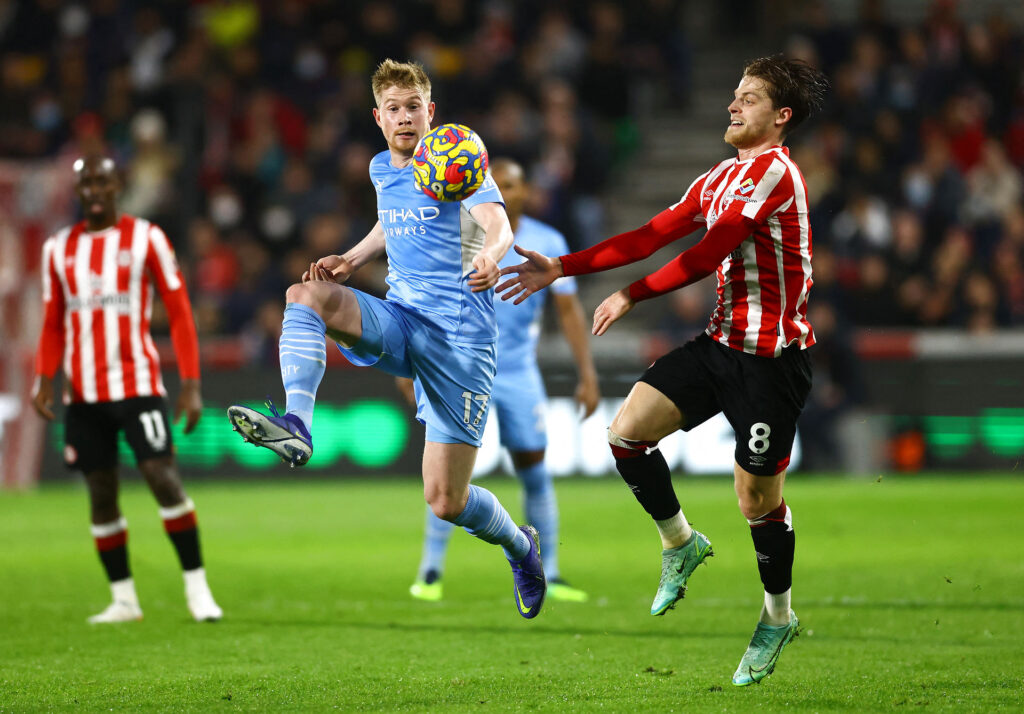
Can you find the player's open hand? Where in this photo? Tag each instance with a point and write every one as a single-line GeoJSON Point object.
{"type": "Point", "coordinates": [190, 403]}
{"type": "Point", "coordinates": [614, 306]}
{"type": "Point", "coordinates": [42, 397]}
{"type": "Point", "coordinates": [331, 269]}
{"type": "Point", "coordinates": [536, 273]}
{"type": "Point", "coordinates": [486, 273]}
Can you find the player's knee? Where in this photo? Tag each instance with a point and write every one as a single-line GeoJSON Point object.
{"type": "Point", "coordinates": [446, 508]}
{"type": "Point", "coordinates": [444, 505]}
{"type": "Point", "coordinates": [623, 448]}
{"type": "Point", "coordinates": [754, 504]}
{"type": "Point", "coordinates": [163, 481]}
{"type": "Point", "coordinates": [302, 293]}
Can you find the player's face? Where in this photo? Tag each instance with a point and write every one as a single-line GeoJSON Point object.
{"type": "Point", "coordinates": [97, 187]}
{"type": "Point", "coordinates": [513, 189]}
{"type": "Point", "coordinates": [403, 116]}
{"type": "Point", "coordinates": [752, 119]}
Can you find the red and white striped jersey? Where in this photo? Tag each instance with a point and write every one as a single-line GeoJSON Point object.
{"type": "Point", "coordinates": [99, 287]}
{"type": "Point", "coordinates": [762, 285]}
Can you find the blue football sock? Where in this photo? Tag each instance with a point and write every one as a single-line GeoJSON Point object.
{"type": "Point", "coordinates": [485, 518]}
{"type": "Point", "coordinates": [541, 510]}
{"type": "Point", "coordinates": [303, 358]}
{"type": "Point", "coordinates": [435, 544]}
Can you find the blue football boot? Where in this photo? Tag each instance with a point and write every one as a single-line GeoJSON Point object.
{"type": "Point", "coordinates": [528, 577]}
{"type": "Point", "coordinates": [285, 435]}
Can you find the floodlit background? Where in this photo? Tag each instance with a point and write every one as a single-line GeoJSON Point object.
{"type": "Point", "coordinates": [245, 130]}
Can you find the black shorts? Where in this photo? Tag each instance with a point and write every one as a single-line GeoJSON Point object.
{"type": "Point", "coordinates": [761, 396]}
{"type": "Point", "coordinates": [90, 432]}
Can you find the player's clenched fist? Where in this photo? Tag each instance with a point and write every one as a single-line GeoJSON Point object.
{"type": "Point", "coordinates": [485, 275]}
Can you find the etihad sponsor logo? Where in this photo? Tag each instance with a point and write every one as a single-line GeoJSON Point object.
{"type": "Point", "coordinates": [396, 215]}
{"type": "Point", "coordinates": [416, 216]}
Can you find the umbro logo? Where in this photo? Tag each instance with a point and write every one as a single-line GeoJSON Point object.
{"type": "Point", "coordinates": [708, 195]}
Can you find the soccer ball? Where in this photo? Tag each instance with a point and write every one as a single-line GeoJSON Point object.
{"type": "Point", "coordinates": [450, 163]}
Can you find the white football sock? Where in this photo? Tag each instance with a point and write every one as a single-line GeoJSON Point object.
{"type": "Point", "coordinates": [195, 579]}
{"type": "Point", "coordinates": [124, 591]}
{"type": "Point", "coordinates": [674, 531]}
{"type": "Point", "coordinates": [776, 608]}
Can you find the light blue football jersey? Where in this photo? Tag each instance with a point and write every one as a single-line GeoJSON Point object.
{"type": "Point", "coordinates": [430, 247]}
{"type": "Point", "coordinates": [519, 325]}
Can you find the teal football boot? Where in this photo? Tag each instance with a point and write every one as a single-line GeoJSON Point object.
{"type": "Point", "coordinates": [677, 565]}
{"type": "Point", "coordinates": [764, 650]}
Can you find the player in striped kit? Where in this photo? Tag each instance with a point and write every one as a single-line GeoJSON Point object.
{"type": "Point", "coordinates": [98, 278]}
{"type": "Point", "coordinates": [751, 363]}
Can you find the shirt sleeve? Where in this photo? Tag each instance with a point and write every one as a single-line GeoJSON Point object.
{"type": "Point", "coordinates": [487, 193]}
{"type": "Point", "coordinates": [676, 221]}
{"type": "Point", "coordinates": [697, 262]}
{"type": "Point", "coordinates": [51, 339]}
{"type": "Point", "coordinates": [161, 263]}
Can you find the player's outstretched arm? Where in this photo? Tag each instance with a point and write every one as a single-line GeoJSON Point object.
{"type": "Point", "coordinates": [611, 309]}
{"type": "Point", "coordinates": [536, 273]}
{"type": "Point", "coordinates": [498, 239]}
{"type": "Point", "coordinates": [570, 319]}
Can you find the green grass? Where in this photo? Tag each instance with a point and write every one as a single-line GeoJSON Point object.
{"type": "Point", "coordinates": [910, 592]}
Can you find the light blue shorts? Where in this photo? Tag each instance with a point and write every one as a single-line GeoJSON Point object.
{"type": "Point", "coordinates": [519, 398]}
{"type": "Point", "coordinates": [452, 380]}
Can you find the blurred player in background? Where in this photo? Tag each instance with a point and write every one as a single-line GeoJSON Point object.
{"type": "Point", "coordinates": [751, 363]}
{"type": "Point", "coordinates": [519, 396]}
{"type": "Point", "coordinates": [98, 278]}
{"type": "Point", "coordinates": [436, 326]}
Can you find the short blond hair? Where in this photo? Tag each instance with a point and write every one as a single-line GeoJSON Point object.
{"type": "Point", "coordinates": [404, 75]}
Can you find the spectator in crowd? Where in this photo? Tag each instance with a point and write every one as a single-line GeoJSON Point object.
{"type": "Point", "coordinates": [263, 104]}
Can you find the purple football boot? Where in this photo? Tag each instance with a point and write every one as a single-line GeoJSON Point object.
{"type": "Point", "coordinates": [528, 577]}
{"type": "Point", "coordinates": [285, 435]}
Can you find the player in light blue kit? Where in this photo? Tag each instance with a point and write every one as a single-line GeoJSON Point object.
{"type": "Point", "coordinates": [437, 326]}
{"type": "Point", "coordinates": [519, 396]}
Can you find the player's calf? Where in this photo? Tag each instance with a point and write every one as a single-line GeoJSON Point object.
{"type": "Point", "coordinates": [112, 545]}
{"type": "Point", "coordinates": [775, 544]}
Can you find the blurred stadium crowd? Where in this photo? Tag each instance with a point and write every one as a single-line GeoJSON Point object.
{"type": "Point", "coordinates": [244, 129]}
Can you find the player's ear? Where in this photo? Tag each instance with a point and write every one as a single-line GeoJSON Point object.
{"type": "Point", "coordinates": [376, 115]}
{"type": "Point", "coordinates": [430, 112]}
{"type": "Point", "coordinates": [783, 116]}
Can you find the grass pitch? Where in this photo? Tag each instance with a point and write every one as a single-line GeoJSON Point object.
{"type": "Point", "coordinates": [910, 592]}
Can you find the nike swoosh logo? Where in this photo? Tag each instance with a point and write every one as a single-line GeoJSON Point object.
{"type": "Point", "coordinates": [523, 608]}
